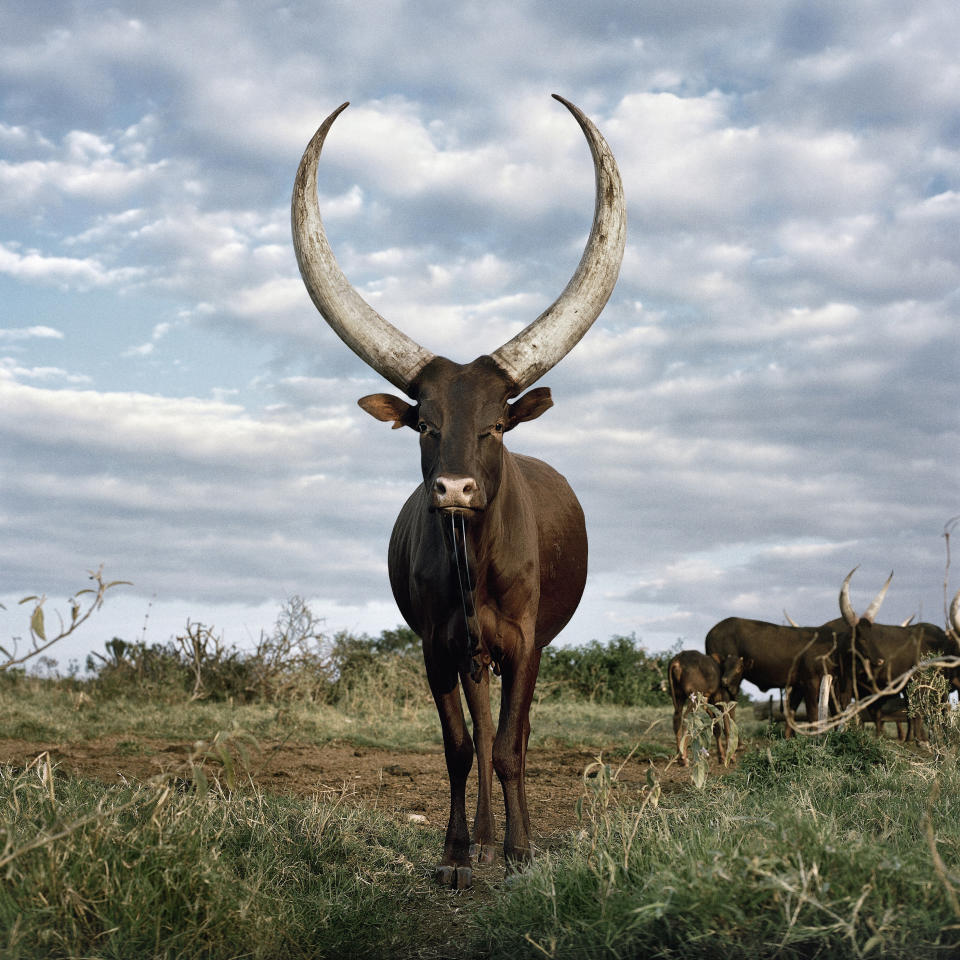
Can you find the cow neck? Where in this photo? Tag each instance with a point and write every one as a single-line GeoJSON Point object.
{"type": "Point", "coordinates": [472, 652]}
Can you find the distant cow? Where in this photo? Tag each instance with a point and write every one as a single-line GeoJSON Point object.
{"type": "Point", "coordinates": [795, 657]}
{"type": "Point", "coordinates": [778, 656]}
{"type": "Point", "coordinates": [718, 680]}
{"type": "Point", "coordinates": [886, 652]}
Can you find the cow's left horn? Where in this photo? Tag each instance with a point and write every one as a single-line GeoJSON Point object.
{"type": "Point", "coordinates": [846, 608]}
{"type": "Point", "coordinates": [546, 341]}
{"type": "Point", "coordinates": [380, 344]}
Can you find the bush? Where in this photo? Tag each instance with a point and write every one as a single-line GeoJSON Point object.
{"type": "Point", "coordinates": [296, 661]}
{"type": "Point", "coordinates": [850, 752]}
{"type": "Point", "coordinates": [621, 672]}
{"type": "Point", "coordinates": [374, 673]}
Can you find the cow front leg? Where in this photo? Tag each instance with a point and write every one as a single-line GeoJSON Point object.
{"type": "Point", "coordinates": [478, 701]}
{"type": "Point", "coordinates": [510, 750]}
{"type": "Point", "coordinates": [454, 869]}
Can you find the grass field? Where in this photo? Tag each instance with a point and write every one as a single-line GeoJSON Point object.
{"type": "Point", "coordinates": [841, 847]}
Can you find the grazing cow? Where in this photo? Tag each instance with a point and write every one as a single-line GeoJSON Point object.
{"type": "Point", "coordinates": [885, 652]}
{"type": "Point", "coordinates": [691, 672]}
{"type": "Point", "coordinates": [488, 557]}
{"type": "Point", "coordinates": [794, 657]}
{"type": "Point", "coordinates": [777, 656]}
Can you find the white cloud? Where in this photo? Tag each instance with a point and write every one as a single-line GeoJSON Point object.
{"type": "Point", "coordinates": [73, 272]}
{"type": "Point", "coordinates": [789, 380]}
{"type": "Point", "coordinates": [30, 333]}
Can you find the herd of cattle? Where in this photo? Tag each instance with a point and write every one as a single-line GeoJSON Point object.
{"type": "Point", "coordinates": [861, 658]}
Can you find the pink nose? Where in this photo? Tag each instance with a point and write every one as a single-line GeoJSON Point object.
{"type": "Point", "coordinates": [454, 491]}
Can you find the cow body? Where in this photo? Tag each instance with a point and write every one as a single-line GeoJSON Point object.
{"type": "Point", "coordinates": [786, 657]}
{"type": "Point", "coordinates": [886, 652]}
{"type": "Point", "coordinates": [487, 561]}
{"type": "Point", "coordinates": [690, 672]}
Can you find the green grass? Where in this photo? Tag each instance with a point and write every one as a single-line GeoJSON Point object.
{"type": "Point", "coordinates": [828, 860]}
{"type": "Point", "coordinates": [808, 848]}
{"type": "Point", "coordinates": [165, 872]}
{"type": "Point", "coordinates": [41, 711]}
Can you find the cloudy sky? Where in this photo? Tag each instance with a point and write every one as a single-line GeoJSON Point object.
{"type": "Point", "coordinates": [769, 399]}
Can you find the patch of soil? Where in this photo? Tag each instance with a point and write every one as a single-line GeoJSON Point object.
{"type": "Point", "coordinates": [405, 785]}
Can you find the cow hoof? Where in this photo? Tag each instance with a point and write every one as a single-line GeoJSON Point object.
{"type": "Point", "coordinates": [483, 852]}
{"type": "Point", "coordinates": [459, 878]}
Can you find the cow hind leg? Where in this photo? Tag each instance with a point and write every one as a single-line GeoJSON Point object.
{"type": "Point", "coordinates": [678, 712]}
{"type": "Point", "coordinates": [478, 700]}
{"type": "Point", "coordinates": [509, 753]}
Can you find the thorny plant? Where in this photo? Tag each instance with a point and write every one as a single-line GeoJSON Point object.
{"type": "Point", "coordinates": [82, 604]}
{"type": "Point", "coordinates": [891, 689]}
{"type": "Point", "coordinates": [927, 700]}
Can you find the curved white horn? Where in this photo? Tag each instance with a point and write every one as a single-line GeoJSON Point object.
{"type": "Point", "coordinates": [871, 611]}
{"type": "Point", "coordinates": [955, 614]}
{"type": "Point", "coordinates": [790, 620]}
{"type": "Point", "coordinates": [385, 348]}
{"type": "Point", "coordinates": [845, 607]}
{"type": "Point", "coordinates": [542, 344]}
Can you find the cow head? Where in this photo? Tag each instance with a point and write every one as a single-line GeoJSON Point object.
{"type": "Point", "coordinates": [461, 414]}
{"type": "Point", "coordinates": [731, 673]}
{"type": "Point", "coordinates": [861, 629]}
{"type": "Point", "coordinates": [462, 411]}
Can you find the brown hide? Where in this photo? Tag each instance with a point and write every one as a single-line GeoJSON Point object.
{"type": "Point", "coordinates": [718, 679]}
{"type": "Point", "coordinates": [487, 561]}
{"type": "Point", "coordinates": [779, 656]}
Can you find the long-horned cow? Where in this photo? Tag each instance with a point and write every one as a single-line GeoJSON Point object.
{"type": "Point", "coordinates": [884, 652]}
{"type": "Point", "coordinates": [488, 557]}
{"type": "Point", "coordinates": [794, 657]}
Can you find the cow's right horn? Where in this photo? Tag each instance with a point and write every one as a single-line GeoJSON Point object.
{"type": "Point", "coordinates": [955, 614]}
{"type": "Point", "coordinates": [380, 344]}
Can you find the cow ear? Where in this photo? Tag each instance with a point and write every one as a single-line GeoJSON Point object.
{"type": "Point", "coordinates": [528, 407]}
{"type": "Point", "coordinates": [386, 407]}
{"type": "Point", "coordinates": [716, 656]}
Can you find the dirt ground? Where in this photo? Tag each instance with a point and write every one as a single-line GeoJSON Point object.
{"type": "Point", "coordinates": [404, 785]}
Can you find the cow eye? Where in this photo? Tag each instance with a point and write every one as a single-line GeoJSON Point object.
{"type": "Point", "coordinates": [498, 428]}
{"type": "Point", "coordinates": [423, 426]}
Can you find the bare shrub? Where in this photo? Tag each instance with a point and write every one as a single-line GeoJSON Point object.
{"type": "Point", "coordinates": [82, 604]}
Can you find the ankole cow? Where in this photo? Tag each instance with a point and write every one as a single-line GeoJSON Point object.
{"type": "Point", "coordinates": [886, 652]}
{"type": "Point", "coordinates": [794, 657]}
{"type": "Point", "coordinates": [691, 672]}
{"type": "Point", "coordinates": [488, 557]}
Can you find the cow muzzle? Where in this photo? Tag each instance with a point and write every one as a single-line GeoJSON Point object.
{"type": "Point", "coordinates": [453, 494]}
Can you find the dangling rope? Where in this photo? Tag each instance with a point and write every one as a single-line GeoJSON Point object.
{"type": "Point", "coordinates": [466, 590]}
